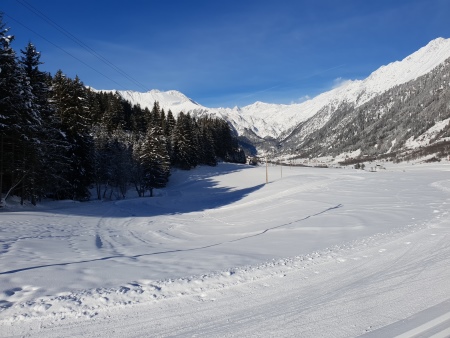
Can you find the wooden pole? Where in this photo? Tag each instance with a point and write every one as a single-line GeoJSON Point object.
{"type": "Point", "coordinates": [267, 174]}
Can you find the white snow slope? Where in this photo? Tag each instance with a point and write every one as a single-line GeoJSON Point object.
{"type": "Point", "coordinates": [218, 253]}
{"type": "Point", "coordinates": [266, 119]}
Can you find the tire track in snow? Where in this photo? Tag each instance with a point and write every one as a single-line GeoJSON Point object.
{"type": "Point", "coordinates": [433, 322]}
{"type": "Point", "coordinates": [99, 245]}
{"type": "Point", "coordinates": [285, 224]}
{"type": "Point", "coordinates": [429, 326]}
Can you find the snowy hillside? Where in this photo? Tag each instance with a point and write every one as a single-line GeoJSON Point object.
{"type": "Point", "coordinates": [276, 120]}
{"type": "Point", "coordinates": [408, 121]}
{"type": "Point", "coordinates": [172, 99]}
{"type": "Point", "coordinates": [218, 253]}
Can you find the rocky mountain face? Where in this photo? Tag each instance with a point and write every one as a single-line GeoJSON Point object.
{"type": "Point", "coordinates": [400, 111]}
{"type": "Point", "coordinates": [409, 120]}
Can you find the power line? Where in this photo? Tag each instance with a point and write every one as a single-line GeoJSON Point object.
{"type": "Point", "coordinates": [80, 43]}
{"type": "Point", "coordinates": [62, 49]}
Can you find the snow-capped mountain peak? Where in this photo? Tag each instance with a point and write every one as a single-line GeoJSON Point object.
{"type": "Point", "coordinates": [266, 119]}
{"type": "Point", "coordinates": [417, 64]}
{"type": "Point", "coordinates": [172, 99]}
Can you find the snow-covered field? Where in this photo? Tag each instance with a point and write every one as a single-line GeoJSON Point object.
{"type": "Point", "coordinates": [218, 253]}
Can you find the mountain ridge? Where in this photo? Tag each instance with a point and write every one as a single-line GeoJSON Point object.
{"type": "Point", "coordinates": [260, 120]}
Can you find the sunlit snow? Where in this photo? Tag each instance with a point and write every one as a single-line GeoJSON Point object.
{"type": "Point", "coordinates": [314, 253]}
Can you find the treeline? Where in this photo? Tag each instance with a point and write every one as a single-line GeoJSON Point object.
{"type": "Point", "coordinates": [59, 139]}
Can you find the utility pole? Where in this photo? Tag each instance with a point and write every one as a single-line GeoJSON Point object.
{"type": "Point", "coordinates": [267, 174]}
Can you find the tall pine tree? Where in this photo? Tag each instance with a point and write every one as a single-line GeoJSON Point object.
{"type": "Point", "coordinates": [19, 122]}
{"type": "Point", "coordinates": [155, 160]}
{"type": "Point", "coordinates": [70, 99]}
{"type": "Point", "coordinates": [184, 143]}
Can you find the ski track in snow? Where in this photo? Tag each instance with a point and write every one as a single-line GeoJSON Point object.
{"type": "Point", "coordinates": [373, 251]}
{"type": "Point", "coordinates": [99, 245]}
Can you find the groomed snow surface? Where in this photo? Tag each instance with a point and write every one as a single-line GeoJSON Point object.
{"type": "Point", "coordinates": [219, 253]}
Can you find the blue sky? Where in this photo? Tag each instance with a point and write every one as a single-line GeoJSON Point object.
{"type": "Point", "coordinates": [225, 53]}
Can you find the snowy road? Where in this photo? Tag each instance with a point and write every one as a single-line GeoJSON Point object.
{"type": "Point", "coordinates": [319, 253]}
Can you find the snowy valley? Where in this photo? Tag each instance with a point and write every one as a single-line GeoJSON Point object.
{"type": "Point", "coordinates": [228, 249]}
{"type": "Point", "coordinates": [218, 253]}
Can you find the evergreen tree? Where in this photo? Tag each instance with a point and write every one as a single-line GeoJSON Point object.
{"type": "Point", "coordinates": [120, 163]}
{"type": "Point", "coordinates": [113, 117]}
{"type": "Point", "coordinates": [19, 121]}
{"type": "Point", "coordinates": [184, 146]}
{"type": "Point", "coordinates": [155, 160]}
{"type": "Point", "coordinates": [137, 170]}
{"type": "Point", "coordinates": [147, 117]}
{"type": "Point", "coordinates": [138, 121]}
{"type": "Point", "coordinates": [47, 159]}
{"type": "Point", "coordinates": [207, 146]}
{"type": "Point", "coordinates": [100, 161]}
{"type": "Point", "coordinates": [40, 131]}
{"type": "Point", "coordinates": [70, 99]}
{"type": "Point", "coordinates": [94, 102]}
{"type": "Point", "coordinates": [154, 116]}
{"type": "Point", "coordinates": [162, 117]}
{"type": "Point", "coordinates": [170, 124]}
{"type": "Point", "coordinates": [127, 114]}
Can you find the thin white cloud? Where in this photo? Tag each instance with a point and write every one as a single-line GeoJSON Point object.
{"type": "Point", "coordinates": [338, 82]}
{"type": "Point", "coordinates": [301, 99]}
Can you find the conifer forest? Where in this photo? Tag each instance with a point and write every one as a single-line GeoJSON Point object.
{"type": "Point", "coordinates": [60, 139]}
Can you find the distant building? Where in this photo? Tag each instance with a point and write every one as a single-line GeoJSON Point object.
{"type": "Point", "coordinates": [252, 160]}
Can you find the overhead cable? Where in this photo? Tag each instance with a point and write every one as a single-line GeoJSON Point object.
{"type": "Point", "coordinates": [80, 43]}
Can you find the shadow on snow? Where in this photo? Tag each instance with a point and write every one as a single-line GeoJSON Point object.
{"type": "Point", "coordinates": [187, 191]}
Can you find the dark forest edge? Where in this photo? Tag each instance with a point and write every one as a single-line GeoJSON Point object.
{"type": "Point", "coordinates": [60, 139]}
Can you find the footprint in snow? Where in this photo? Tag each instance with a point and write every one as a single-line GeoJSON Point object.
{"type": "Point", "coordinates": [12, 292]}
{"type": "Point", "coordinates": [4, 304]}
{"type": "Point", "coordinates": [382, 250]}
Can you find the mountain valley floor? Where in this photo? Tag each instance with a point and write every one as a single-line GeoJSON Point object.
{"type": "Point", "coordinates": [218, 253]}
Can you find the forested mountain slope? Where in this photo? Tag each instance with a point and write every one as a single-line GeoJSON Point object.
{"type": "Point", "coordinates": [404, 118]}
